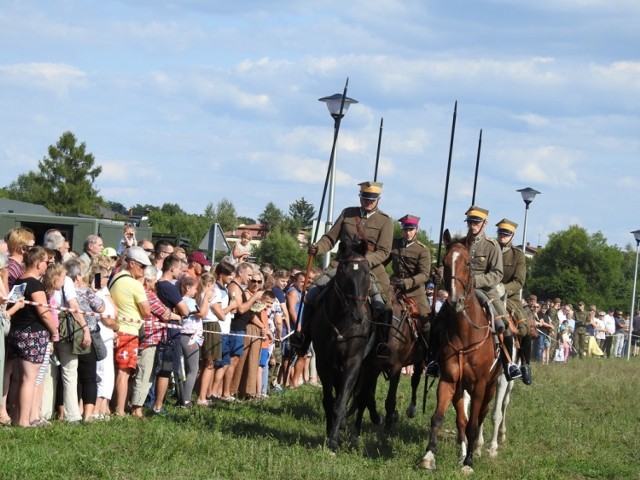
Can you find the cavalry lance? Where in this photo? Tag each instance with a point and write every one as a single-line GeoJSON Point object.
{"type": "Point", "coordinates": [324, 193]}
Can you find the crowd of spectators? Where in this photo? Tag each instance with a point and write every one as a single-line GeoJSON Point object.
{"type": "Point", "coordinates": [108, 332]}
{"type": "Point", "coordinates": [565, 332]}
{"type": "Point", "coordinates": [113, 331]}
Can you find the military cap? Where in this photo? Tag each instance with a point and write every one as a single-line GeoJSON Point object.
{"type": "Point", "coordinates": [533, 297]}
{"type": "Point", "coordinates": [506, 227]}
{"type": "Point", "coordinates": [409, 221]}
{"type": "Point", "coordinates": [476, 214]}
{"type": "Point", "coordinates": [370, 190]}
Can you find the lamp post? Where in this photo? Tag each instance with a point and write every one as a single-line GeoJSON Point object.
{"type": "Point", "coordinates": [636, 235]}
{"type": "Point", "coordinates": [333, 103]}
{"type": "Point", "coordinates": [528, 194]}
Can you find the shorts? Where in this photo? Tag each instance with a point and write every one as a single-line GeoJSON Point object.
{"type": "Point", "coordinates": [28, 345]}
{"type": "Point", "coordinates": [236, 343]}
{"type": "Point", "coordinates": [126, 351]}
{"type": "Point", "coordinates": [635, 338]}
{"type": "Point", "coordinates": [225, 358]}
{"type": "Point", "coordinates": [288, 352]}
{"type": "Point", "coordinates": [546, 342]}
{"type": "Point", "coordinates": [264, 357]}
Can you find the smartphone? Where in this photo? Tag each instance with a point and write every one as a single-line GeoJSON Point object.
{"type": "Point", "coordinates": [98, 281]}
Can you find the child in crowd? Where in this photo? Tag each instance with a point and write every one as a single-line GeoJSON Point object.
{"type": "Point", "coordinates": [128, 239]}
{"type": "Point", "coordinates": [212, 347]}
{"type": "Point", "coordinates": [222, 307]}
{"type": "Point", "coordinates": [266, 316]}
{"type": "Point", "coordinates": [192, 337]}
{"type": "Point", "coordinates": [566, 341]}
{"type": "Point", "coordinates": [42, 409]}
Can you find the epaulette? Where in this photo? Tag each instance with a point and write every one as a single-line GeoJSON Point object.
{"type": "Point", "coordinates": [421, 244]}
{"type": "Point", "coordinates": [494, 241]}
{"type": "Point", "coordinates": [382, 213]}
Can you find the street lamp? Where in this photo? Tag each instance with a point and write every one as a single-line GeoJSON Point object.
{"type": "Point", "coordinates": [333, 102]}
{"type": "Point", "coordinates": [636, 235]}
{"type": "Point", "coordinates": [528, 194]}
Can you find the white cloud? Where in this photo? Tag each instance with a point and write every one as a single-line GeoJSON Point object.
{"type": "Point", "coordinates": [56, 77]}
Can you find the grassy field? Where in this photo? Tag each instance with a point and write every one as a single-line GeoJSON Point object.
{"type": "Point", "coordinates": [577, 421]}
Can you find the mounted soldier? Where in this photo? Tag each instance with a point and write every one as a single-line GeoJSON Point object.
{"type": "Point", "coordinates": [515, 274]}
{"type": "Point", "coordinates": [411, 264]}
{"type": "Point", "coordinates": [368, 223]}
{"type": "Point", "coordinates": [487, 270]}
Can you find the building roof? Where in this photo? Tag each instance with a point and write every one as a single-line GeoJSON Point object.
{"type": "Point", "coordinates": [8, 205]}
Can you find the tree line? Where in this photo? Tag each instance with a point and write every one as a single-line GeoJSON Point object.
{"type": "Point", "coordinates": [574, 264]}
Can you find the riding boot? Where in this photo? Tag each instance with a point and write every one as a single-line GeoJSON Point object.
{"type": "Point", "coordinates": [384, 322]}
{"type": "Point", "coordinates": [525, 354]}
{"type": "Point", "coordinates": [511, 370]}
{"type": "Point", "coordinates": [377, 302]}
{"type": "Point", "coordinates": [433, 369]}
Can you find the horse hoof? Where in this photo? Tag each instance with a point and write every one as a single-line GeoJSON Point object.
{"type": "Point", "coordinates": [394, 417]}
{"type": "Point", "coordinates": [412, 411]}
{"type": "Point", "coordinates": [467, 470]}
{"type": "Point", "coordinates": [377, 419]}
{"type": "Point", "coordinates": [428, 462]}
{"type": "Point", "coordinates": [493, 453]}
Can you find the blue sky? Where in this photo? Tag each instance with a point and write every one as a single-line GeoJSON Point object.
{"type": "Point", "coordinates": [193, 101]}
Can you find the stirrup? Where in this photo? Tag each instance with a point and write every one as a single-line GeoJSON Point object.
{"type": "Point", "coordinates": [433, 369]}
{"type": "Point", "coordinates": [526, 374]}
{"type": "Point", "coordinates": [383, 350]}
{"type": "Point", "coordinates": [513, 372]}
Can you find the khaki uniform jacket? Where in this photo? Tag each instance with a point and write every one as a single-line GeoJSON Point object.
{"type": "Point", "coordinates": [515, 273]}
{"type": "Point", "coordinates": [412, 264]}
{"type": "Point", "coordinates": [486, 262]}
{"type": "Point", "coordinates": [378, 231]}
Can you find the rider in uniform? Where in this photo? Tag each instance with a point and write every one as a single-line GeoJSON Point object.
{"type": "Point", "coordinates": [487, 271]}
{"type": "Point", "coordinates": [411, 264]}
{"type": "Point", "coordinates": [376, 227]}
{"type": "Point", "coordinates": [515, 273]}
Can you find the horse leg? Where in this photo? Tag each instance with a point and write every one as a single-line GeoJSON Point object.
{"type": "Point", "coordinates": [391, 401]}
{"type": "Point", "coordinates": [497, 414]}
{"type": "Point", "coordinates": [327, 403]}
{"type": "Point", "coordinates": [461, 402]}
{"type": "Point", "coordinates": [345, 390]}
{"type": "Point", "coordinates": [418, 369]}
{"type": "Point", "coordinates": [505, 404]}
{"type": "Point", "coordinates": [444, 396]}
{"type": "Point", "coordinates": [477, 412]}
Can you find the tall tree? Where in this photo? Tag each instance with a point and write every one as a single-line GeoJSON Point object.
{"type": "Point", "coordinates": [272, 217]}
{"type": "Point", "coordinates": [280, 249]}
{"type": "Point", "coordinates": [65, 180]}
{"type": "Point", "coordinates": [577, 266]}
{"type": "Point", "coordinates": [225, 215]}
{"type": "Point", "coordinates": [302, 212]}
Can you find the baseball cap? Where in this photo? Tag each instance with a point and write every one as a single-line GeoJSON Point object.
{"type": "Point", "coordinates": [199, 257]}
{"type": "Point", "coordinates": [137, 254]}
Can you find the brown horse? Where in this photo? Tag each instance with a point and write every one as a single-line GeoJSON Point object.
{"type": "Point", "coordinates": [467, 357]}
{"type": "Point", "coordinates": [407, 346]}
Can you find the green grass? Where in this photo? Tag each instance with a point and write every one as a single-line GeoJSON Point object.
{"type": "Point", "coordinates": [577, 421]}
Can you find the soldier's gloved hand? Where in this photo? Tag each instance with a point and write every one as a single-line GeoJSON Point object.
{"type": "Point", "coordinates": [438, 275]}
{"type": "Point", "coordinates": [397, 283]}
{"type": "Point", "coordinates": [313, 249]}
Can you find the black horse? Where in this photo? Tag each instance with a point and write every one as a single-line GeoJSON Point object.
{"type": "Point", "coordinates": [340, 328]}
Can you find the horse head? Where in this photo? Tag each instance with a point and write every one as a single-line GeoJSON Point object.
{"type": "Point", "coordinates": [353, 278]}
{"type": "Point", "coordinates": [457, 271]}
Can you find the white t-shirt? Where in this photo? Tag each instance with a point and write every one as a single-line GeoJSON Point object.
{"type": "Point", "coordinates": [105, 332]}
{"type": "Point", "coordinates": [221, 296]}
{"type": "Point", "coordinates": [69, 292]}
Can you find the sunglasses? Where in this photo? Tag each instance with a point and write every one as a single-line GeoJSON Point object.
{"type": "Point", "coordinates": [256, 281]}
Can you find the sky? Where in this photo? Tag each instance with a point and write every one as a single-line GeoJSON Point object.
{"type": "Point", "coordinates": [195, 101]}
